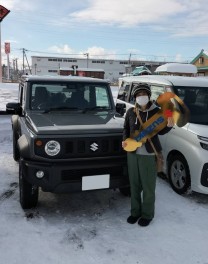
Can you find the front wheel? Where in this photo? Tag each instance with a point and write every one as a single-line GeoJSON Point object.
{"type": "Point", "coordinates": [28, 192]}
{"type": "Point", "coordinates": [178, 174]}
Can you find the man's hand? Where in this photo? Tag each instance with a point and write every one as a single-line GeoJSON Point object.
{"type": "Point", "coordinates": [170, 122]}
{"type": "Point", "coordinates": [124, 144]}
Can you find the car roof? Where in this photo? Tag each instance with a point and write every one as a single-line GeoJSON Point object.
{"type": "Point", "coordinates": [33, 78]}
{"type": "Point", "coordinates": [169, 80]}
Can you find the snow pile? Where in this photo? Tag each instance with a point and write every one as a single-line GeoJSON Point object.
{"type": "Point", "coordinates": [8, 93]}
{"type": "Point", "coordinates": [177, 68]}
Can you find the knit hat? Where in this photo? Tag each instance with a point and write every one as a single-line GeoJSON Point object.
{"type": "Point", "coordinates": [141, 87]}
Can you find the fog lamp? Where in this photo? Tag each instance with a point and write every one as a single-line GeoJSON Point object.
{"type": "Point", "coordinates": [40, 174]}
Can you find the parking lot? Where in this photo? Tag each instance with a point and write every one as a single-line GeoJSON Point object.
{"type": "Point", "coordinates": [90, 227]}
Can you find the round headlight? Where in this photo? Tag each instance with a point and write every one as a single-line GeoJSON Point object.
{"type": "Point", "coordinates": [52, 148]}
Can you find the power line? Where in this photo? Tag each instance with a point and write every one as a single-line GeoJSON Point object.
{"type": "Point", "coordinates": [103, 55]}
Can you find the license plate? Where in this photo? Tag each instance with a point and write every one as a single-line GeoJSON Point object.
{"type": "Point", "coordinates": [95, 182]}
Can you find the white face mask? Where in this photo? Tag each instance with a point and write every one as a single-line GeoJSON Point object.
{"type": "Point", "coordinates": [142, 100]}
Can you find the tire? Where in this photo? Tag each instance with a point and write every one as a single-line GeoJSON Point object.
{"type": "Point", "coordinates": [16, 154]}
{"type": "Point", "coordinates": [28, 192]}
{"type": "Point", "coordinates": [125, 191]}
{"type": "Point", "coordinates": [178, 174]}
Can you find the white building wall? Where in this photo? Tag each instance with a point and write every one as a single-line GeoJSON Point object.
{"type": "Point", "coordinates": [50, 65]}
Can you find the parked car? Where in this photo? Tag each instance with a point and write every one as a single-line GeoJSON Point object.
{"type": "Point", "coordinates": [185, 149]}
{"type": "Point", "coordinates": [66, 137]}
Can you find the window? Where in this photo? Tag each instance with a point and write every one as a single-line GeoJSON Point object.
{"type": "Point", "coordinates": [123, 62]}
{"type": "Point", "coordinates": [201, 74]}
{"type": "Point", "coordinates": [201, 60]}
{"type": "Point", "coordinates": [196, 99]}
{"type": "Point", "coordinates": [75, 95]}
{"type": "Point", "coordinates": [98, 61]}
{"type": "Point", "coordinates": [52, 71]}
{"type": "Point", "coordinates": [123, 91]}
{"type": "Point", "coordinates": [156, 91]}
{"type": "Point", "coordinates": [66, 60]}
{"type": "Point", "coordinates": [102, 99]}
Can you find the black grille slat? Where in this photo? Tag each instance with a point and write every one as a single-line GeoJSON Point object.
{"type": "Point", "coordinates": [81, 146]}
{"type": "Point", "coordinates": [69, 147]}
{"type": "Point", "coordinates": [86, 147]}
{"type": "Point", "coordinates": [105, 145]}
{"type": "Point", "coordinates": [116, 145]}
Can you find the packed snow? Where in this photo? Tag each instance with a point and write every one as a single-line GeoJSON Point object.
{"type": "Point", "coordinates": [90, 227]}
{"type": "Point", "coordinates": [177, 67]}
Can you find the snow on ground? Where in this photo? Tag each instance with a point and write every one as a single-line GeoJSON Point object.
{"type": "Point", "coordinates": [91, 227]}
{"type": "Point", "coordinates": [8, 93]}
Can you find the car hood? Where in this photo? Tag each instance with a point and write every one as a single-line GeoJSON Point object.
{"type": "Point", "coordinates": [201, 130]}
{"type": "Point", "coordinates": [77, 123]}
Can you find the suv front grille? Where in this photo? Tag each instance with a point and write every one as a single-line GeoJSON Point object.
{"type": "Point", "coordinates": [85, 147]}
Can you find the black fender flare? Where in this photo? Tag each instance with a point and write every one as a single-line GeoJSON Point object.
{"type": "Point", "coordinates": [15, 126]}
{"type": "Point", "coordinates": [23, 146]}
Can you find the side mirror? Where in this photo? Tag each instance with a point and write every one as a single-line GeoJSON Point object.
{"type": "Point", "coordinates": [13, 108]}
{"type": "Point", "coordinates": [121, 108]}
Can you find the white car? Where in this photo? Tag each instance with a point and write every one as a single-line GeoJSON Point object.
{"type": "Point", "coordinates": [185, 149]}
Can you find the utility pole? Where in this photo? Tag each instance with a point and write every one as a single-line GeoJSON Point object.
{"type": "Point", "coordinates": [23, 60]}
{"type": "Point", "coordinates": [35, 68]}
{"type": "Point", "coordinates": [13, 61]}
{"type": "Point", "coordinates": [87, 54]}
{"type": "Point", "coordinates": [3, 13]}
{"type": "Point", "coordinates": [8, 67]}
{"type": "Point", "coordinates": [24, 56]}
{"type": "Point", "coordinates": [16, 64]}
{"type": "Point", "coordinates": [129, 58]}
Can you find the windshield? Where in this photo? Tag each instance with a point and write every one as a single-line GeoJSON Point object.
{"type": "Point", "coordinates": [196, 99]}
{"type": "Point", "coordinates": [69, 96]}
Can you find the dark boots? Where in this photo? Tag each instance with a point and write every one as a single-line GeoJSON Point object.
{"type": "Point", "coordinates": [132, 219]}
{"type": "Point", "coordinates": [144, 221]}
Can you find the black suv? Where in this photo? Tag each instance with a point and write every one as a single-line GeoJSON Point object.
{"type": "Point", "coordinates": [66, 136]}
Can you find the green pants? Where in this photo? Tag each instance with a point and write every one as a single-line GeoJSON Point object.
{"type": "Point", "coordinates": [142, 177]}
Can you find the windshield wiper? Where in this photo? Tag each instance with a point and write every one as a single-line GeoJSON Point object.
{"type": "Point", "coordinates": [60, 108]}
{"type": "Point", "coordinates": [95, 108]}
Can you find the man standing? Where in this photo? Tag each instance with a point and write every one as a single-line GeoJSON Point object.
{"type": "Point", "coordinates": [142, 162]}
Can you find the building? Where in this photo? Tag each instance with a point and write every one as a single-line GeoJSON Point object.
{"type": "Point", "coordinates": [201, 62]}
{"type": "Point", "coordinates": [52, 65]}
{"type": "Point", "coordinates": [113, 68]}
